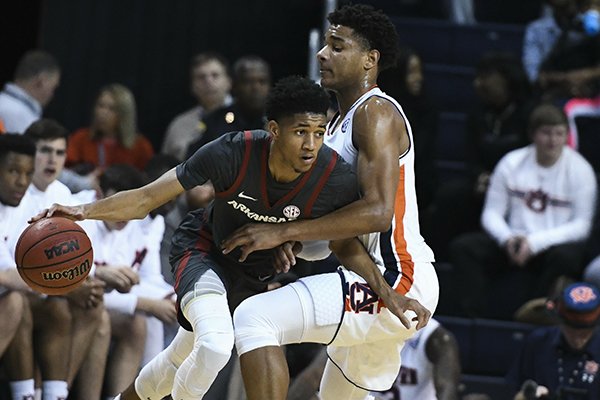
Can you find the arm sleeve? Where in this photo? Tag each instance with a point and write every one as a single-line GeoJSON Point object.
{"type": "Point", "coordinates": [584, 189]}
{"type": "Point", "coordinates": [218, 161]}
{"type": "Point", "coordinates": [495, 209]}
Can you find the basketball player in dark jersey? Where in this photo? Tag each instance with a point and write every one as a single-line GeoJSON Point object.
{"type": "Point", "coordinates": [274, 177]}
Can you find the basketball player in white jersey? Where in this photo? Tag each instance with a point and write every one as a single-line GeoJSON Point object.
{"type": "Point", "coordinates": [364, 336]}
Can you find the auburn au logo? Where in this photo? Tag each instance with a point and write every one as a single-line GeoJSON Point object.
{"type": "Point", "coordinates": [61, 248]}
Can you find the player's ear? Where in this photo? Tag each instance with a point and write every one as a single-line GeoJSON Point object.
{"type": "Point", "coordinates": [372, 59]}
{"type": "Point", "coordinates": [273, 127]}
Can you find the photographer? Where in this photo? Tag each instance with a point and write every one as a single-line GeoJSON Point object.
{"type": "Point", "coordinates": [561, 362]}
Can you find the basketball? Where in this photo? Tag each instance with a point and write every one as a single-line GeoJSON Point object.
{"type": "Point", "coordinates": [54, 255]}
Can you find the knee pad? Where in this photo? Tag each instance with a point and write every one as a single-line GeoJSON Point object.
{"type": "Point", "coordinates": [155, 380]}
{"type": "Point", "coordinates": [213, 343]}
{"type": "Point", "coordinates": [252, 330]}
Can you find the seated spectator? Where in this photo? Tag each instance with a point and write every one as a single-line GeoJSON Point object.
{"type": "Point", "coordinates": [21, 102]}
{"type": "Point", "coordinates": [561, 362]}
{"type": "Point", "coordinates": [537, 215]}
{"type": "Point", "coordinates": [495, 127]}
{"type": "Point", "coordinates": [85, 302]}
{"type": "Point", "coordinates": [112, 138]}
{"type": "Point", "coordinates": [210, 84]}
{"type": "Point", "coordinates": [134, 246]}
{"type": "Point", "coordinates": [16, 346]}
{"type": "Point", "coordinates": [405, 83]}
{"type": "Point", "coordinates": [572, 67]}
{"type": "Point", "coordinates": [541, 35]}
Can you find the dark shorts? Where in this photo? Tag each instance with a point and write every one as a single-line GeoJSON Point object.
{"type": "Point", "coordinates": [193, 253]}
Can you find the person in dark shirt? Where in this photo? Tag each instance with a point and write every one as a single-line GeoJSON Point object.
{"type": "Point", "coordinates": [275, 176]}
{"type": "Point", "coordinates": [562, 362]}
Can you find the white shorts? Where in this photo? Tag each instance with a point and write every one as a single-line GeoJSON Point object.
{"type": "Point", "coordinates": [364, 339]}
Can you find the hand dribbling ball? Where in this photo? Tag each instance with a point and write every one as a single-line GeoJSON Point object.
{"type": "Point", "coordinates": [54, 255]}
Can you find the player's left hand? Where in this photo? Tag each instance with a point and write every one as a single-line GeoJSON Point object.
{"type": "Point", "coordinates": [284, 256]}
{"type": "Point", "coordinates": [399, 304]}
{"type": "Point", "coordinates": [252, 237]}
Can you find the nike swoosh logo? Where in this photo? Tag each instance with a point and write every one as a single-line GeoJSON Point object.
{"type": "Point", "coordinates": [243, 196]}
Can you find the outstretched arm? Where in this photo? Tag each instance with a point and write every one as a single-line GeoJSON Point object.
{"type": "Point", "coordinates": [353, 255]}
{"type": "Point", "coordinates": [122, 206]}
{"type": "Point", "coordinates": [380, 134]}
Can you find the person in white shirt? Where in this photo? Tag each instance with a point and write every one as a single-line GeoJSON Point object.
{"type": "Point", "coordinates": [538, 212]}
{"type": "Point", "coordinates": [21, 102]}
{"type": "Point", "coordinates": [85, 303]}
{"type": "Point", "coordinates": [16, 346]}
{"type": "Point", "coordinates": [136, 315]}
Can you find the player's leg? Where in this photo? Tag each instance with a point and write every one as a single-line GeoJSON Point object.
{"type": "Point", "coordinates": [206, 309]}
{"type": "Point", "coordinates": [155, 380]}
{"type": "Point", "coordinates": [266, 321]}
{"type": "Point", "coordinates": [125, 357]}
{"type": "Point", "coordinates": [86, 323]}
{"type": "Point", "coordinates": [52, 340]}
{"type": "Point", "coordinates": [90, 375]}
{"type": "Point", "coordinates": [335, 386]}
{"type": "Point", "coordinates": [18, 353]}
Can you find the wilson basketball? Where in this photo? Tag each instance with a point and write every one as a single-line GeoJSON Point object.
{"type": "Point", "coordinates": [54, 255]}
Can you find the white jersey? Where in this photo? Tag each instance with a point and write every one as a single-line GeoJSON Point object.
{"type": "Point", "coordinates": [396, 251]}
{"type": "Point", "coordinates": [415, 380]}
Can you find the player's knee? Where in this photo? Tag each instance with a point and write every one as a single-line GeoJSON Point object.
{"type": "Point", "coordinates": [252, 329]}
{"type": "Point", "coordinates": [213, 349]}
{"type": "Point", "coordinates": [57, 315]}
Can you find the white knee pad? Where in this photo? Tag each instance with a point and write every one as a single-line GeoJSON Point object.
{"type": "Point", "coordinates": [213, 342]}
{"type": "Point", "coordinates": [155, 380]}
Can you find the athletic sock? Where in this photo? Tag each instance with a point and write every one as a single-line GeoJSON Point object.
{"type": "Point", "coordinates": [22, 390]}
{"type": "Point", "coordinates": [54, 390]}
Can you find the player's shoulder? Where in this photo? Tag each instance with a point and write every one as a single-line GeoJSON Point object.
{"type": "Point", "coordinates": [241, 137]}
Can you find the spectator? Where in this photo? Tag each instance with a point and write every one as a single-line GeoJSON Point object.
{"type": "Point", "coordinates": [85, 302]}
{"type": "Point", "coordinates": [405, 83]}
{"type": "Point", "coordinates": [210, 85]}
{"type": "Point", "coordinates": [111, 138]}
{"type": "Point", "coordinates": [251, 83]}
{"type": "Point", "coordinates": [495, 127]}
{"type": "Point", "coordinates": [541, 35]}
{"type": "Point", "coordinates": [133, 246]}
{"type": "Point", "coordinates": [16, 346]}
{"type": "Point", "coordinates": [538, 212]}
{"type": "Point", "coordinates": [572, 67]}
{"type": "Point", "coordinates": [21, 102]}
{"type": "Point", "coordinates": [561, 362]}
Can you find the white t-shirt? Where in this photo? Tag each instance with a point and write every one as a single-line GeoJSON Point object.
{"type": "Point", "coordinates": [18, 109]}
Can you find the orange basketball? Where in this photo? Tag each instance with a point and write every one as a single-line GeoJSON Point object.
{"type": "Point", "coordinates": [54, 255]}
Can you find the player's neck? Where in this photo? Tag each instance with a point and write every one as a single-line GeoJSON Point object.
{"type": "Point", "coordinates": [39, 184]}
{"type": "Point", "coordinates": [347, 96]}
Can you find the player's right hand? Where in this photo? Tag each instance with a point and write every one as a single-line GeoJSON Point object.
{"type": "Point", "coordinates": [72, 212]}
{"type": "Point", "coordinates": [121, 278]}
{"type": "Point", "coordinates": [399, 304]}
{"type": "Point", "coordinates": [284, 256]}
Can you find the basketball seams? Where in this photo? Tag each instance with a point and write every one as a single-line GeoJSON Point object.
{"type": "Point", "coordinates": [56, 263]}
{"type": "Point", "coordinates": [48, 237]}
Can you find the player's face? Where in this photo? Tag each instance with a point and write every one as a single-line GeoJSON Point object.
{"type": "Point", "coordinates": [549, 142]}
{"type": "Point", "coordinates": [210, 83]}
{"type": "Point", "coordinates": [16, 171]}
{"type": "Point", "coordinates": [297, 141]}
{"type": "Point", "coordinates": [106, 117]}
{"type": "Point", "coordinates": [253, 86]}
{"type": "Point", "coordinates": [50, 156]}
{"type": "Point", "coordinates": [342, 58]}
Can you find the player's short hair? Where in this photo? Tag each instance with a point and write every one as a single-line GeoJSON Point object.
{"type": "Point", "coordinates": [119, 177]}
{"type": "Point", "coordinates": [546, 114]}
{"type": "Point", "coordinates": [295, 94]}
{"type": "Point", "coordinates": [46, 129]}
{"type": "Point", "coordinates": [203, 58]}
{"type": "Point", "coordinates": [15, 143]}
{"type": "Point", "coordinates": [374, 27]}
{"type": "Point", "coordinates": [33, 63]}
